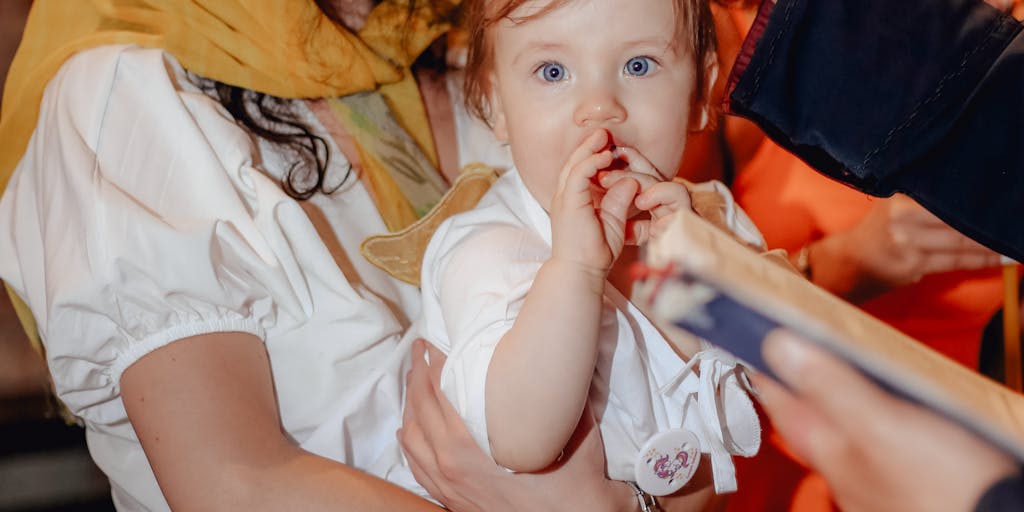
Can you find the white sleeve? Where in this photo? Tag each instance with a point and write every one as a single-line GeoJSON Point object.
{"type": "Point", "coordinates": [475, 283]}
{"type": "Point", "coordinates": [136, 218]}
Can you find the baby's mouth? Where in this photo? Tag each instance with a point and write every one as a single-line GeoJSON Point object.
{"type": "Point", "coordinates": [618, 163]}
{"type": "Point", "coordinates": [621, 161]}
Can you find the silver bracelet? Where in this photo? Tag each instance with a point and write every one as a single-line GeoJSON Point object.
{"type": "Point", "coordinates": [646, 501]}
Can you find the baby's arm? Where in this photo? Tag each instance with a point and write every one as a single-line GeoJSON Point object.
{"type": "Point", "coordinates": [539, 376]}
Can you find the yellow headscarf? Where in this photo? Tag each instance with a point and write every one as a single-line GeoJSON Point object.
{"type": "Point", "coordinates": [286, 48]}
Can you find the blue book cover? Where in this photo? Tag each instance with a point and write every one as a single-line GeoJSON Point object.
{"type": "Point", "coordinates": [702, 281]}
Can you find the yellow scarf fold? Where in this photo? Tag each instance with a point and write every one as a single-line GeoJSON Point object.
{"type": "Point", "coordinates": [286, 48]}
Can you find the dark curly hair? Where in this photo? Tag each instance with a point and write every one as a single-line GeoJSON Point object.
{"type": "Point", "coordinates": [276, 120]}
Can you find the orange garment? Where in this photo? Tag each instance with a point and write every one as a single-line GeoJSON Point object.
{"type": "Point", "coordinates": [794, 205]}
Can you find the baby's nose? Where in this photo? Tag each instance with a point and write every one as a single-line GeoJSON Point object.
{"type": "Point", "coordinates": [597, 106]}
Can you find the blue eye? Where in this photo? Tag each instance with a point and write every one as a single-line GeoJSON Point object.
{"type": "Point", "coordinates": [552, 72]}
{"type": "Point", "coordinates": [639, 66]}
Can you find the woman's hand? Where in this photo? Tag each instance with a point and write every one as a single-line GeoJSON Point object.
{"type": "Point", "coordinates": [877, 452]}
{"type": "Point", "coordinates": [896, 244]}
{"type": "Point", "coordinates": [446, 460]}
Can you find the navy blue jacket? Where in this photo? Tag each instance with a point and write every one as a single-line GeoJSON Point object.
{"type": "Point", "coordinates": [924, 97]}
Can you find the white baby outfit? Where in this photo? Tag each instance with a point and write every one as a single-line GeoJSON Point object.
{"type": "Point", "coordinates": [477, 271]}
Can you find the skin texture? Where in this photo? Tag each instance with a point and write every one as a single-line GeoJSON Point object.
{"type": "Point", "coordinates": [878, 453]}
{"type": "Point", "coordinates": [199, 407]}
{"type": "Point", "coordinates": [446, 460]}
{"type": "Point", "coordinates": [897, 243]}
{"type": "Point", "coordinates": [545, 122]}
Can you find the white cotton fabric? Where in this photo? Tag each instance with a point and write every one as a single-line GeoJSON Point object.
{"type": "Point", "coordinates": [477, 270]}
{"type": "Point", "coordinates": [142, 214]}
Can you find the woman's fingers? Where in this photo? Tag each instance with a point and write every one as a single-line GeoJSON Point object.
{"type": "Point", "coordinates": [450, 415]}
{"type": "Point", "coordinates": [435, 440]}
{"type": "Point", "coordinates": [805, 367]}
{"type": "Point", "coordinates": [423, 419]}
{"type": "Point", "coordinates": [422, 401]}
{"type": "Point", "coordinates": [420, 411]}
{"type": "Point", "coordinates": [876, 451]}
{"type": "Point", "coordinates": [419, 455]}
{"type": "Point", "coordinates": [949, 261]}
{"type": "Point", "coordinates": [813, 417]}
{"type": "Point", "coordinates": [790, 417]}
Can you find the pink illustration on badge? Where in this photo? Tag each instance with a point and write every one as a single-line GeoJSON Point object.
{"type": "Point", "coordinates": [667, 461]}
{"type": "Point", "coordinates": [667, 467]}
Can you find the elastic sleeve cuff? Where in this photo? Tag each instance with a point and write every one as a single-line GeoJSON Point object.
{"type": "Point", "coordinates": [135, 350]}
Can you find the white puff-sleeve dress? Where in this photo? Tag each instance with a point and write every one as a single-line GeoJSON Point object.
{"type": "Point", "coordinates": [142, 214]}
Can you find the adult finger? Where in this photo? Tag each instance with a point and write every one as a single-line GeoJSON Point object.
{"type": "Point", "coordinates": [417, 382]}
{"type": "Point", "coordinates": [423, 409]}
{"type": "Point", "coordinates": [842, 394]}
{"type": "Point", "coordinates": [948, 261]}
{"type": "Point", "coordinates": [790, 417]}
{"type": "Point", "coordinates": [448, 412]}
{"type": "Point", "coordinates": [419, 456]}
{"type": "Point", "coordinates": [418, 411]}
{"type": "Point", "coordinates": [940, 238]}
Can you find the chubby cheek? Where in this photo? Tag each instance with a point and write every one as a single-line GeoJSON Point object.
{"type": "Point", "coordinates": [664, 136]}
{"type": "Point", "coordinates": [540, 149]}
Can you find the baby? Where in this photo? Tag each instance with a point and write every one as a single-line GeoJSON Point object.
{"type": "Point", "coordinates": [526, 293]}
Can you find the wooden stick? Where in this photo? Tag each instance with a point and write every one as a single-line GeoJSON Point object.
{"type": "Point", "coordinates": [1011, 327]}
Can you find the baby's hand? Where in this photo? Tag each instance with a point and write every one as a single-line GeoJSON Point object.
{"type": "Point", "coordinates": [588, 225]}
{"type": "Point", "coordinates": [659, 196]}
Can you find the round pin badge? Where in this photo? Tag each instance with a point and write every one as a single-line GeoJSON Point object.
{"type": "Point", "coordinates": [667, 461]}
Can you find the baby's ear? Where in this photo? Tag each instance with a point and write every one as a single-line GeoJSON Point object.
{"type": "Point", "coordinates": [701, 119]}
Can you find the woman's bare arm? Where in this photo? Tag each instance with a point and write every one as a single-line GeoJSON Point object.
{"type": "Point", "coordinates": [446, 460]}
{"type": "Point", "coordinates": [205, 412]}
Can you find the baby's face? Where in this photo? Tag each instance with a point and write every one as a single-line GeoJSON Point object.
{"type": "Point", "coordinates": [588, 65]}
